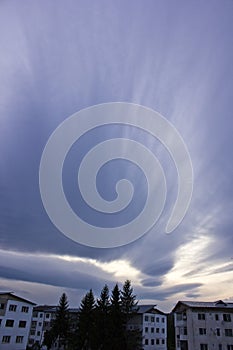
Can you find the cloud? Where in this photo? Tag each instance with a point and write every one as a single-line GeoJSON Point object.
{"type": "Point", "coordinates": [86, 54]}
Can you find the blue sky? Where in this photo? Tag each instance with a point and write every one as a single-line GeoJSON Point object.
{"type": "Point", "coordinates": [174, 57]}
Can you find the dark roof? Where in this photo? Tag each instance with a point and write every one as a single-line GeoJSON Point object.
{"type": "Point", "coordinates": [45, 308]}
{"type": "Point", "coordinates": [51, 308]}
{"type": "Point", "coordinates": [11, 295]}
{"type": "Point", "coordinates": [142, 309]}
{"type": "Point", "coordinates": [219, 304]}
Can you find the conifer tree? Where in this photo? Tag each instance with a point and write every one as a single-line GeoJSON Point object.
{"type": "Point", "coordinates": [102, 319]}
{"type": "Point", "coordinates": [86, 324]}
{"type": "Point", "coordinates": [133, 337]}
{"type": "Point", "coordinates": [60, 329]}
{"type": "Point", "coordinates": [128, 301]}
{"type": "Point", "coordinates": [61, 325]}
{"type": "Point", "coordinates": [116, 321]}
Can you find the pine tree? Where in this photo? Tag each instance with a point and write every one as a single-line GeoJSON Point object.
{"type": "Point", "coordinates": [133, 338]}
{"type": "Point", "coordinates": [116, 321]}
{"type": "Point", "coordinates": [128, 301]}
{"type": "Point", "coordinates": [102, 319]}
{"type": "Point", "coordinates": [61, 325]}
{"type": "Point", "coordinates": [86, 324]}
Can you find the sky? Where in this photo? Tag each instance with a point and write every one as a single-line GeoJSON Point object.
{"type": "Point", "coordinates": [60, 57]}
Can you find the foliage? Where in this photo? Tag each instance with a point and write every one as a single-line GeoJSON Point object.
{"type": "Point", "coordinates": [171, 344]}
{"type": "Point", "coordinates": [102, 318]}
{"type": "Point", "coordinates": [60, 326]}
{"type": "Point", "coordinates": [102, 324]}
{"type": "Point", "coordinates": [133, 337]}
{"type": "Point", "coordinates": [86, 323]}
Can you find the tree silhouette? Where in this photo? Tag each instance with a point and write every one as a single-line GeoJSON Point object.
{"type": "Point", "coordinates": [116, 320]}
{"type": "Point", "coordinates": [133, 337]}
{"type": "Point", "coordinates": [86, 324]}
{"type": "Point", "coordinates": [102, 319]}
{"type": "Point", "coordinates": [61, 325]}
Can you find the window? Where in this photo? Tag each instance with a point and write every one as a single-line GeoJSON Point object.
{"type": "Point", "coordinates": [152, 319]}
{"type": "Point", "coordinates": [24, 309]}
{"type": "Point", "coordinates": [163, 341]}
{"type": "Point", "coordinates": [227, 317]}
{"type": "Point", "coordinates": [2, 306]}
{"type": "Point", "coordinates": [0, 321]}
{"type": "Point", "coordinates": [157, 319]}
{"type": "Point", "coordinates": [229, 347]}
{"type": "Point", "coordinates": [22, 324]}
{"type": "Point", "coordinates": [146, 318]}
{"type": "Point", "coordinates": [220, 347]}
{"type": "Point", "coordinates": [202, 331]}
{"type": "Point", "coordinates": [12, 307]}
{"type": "Point", "coordinates": [228, 332]}
{"type": "Point", "coordinates": [203, 346]}
{"type": "Point", "coordinates": [38, 333]}
{"type": "Point", "coordinates": [34, 323]}
{"type": "Point", "coordinates": [157, 341]}
{"type": "Point", "coordinates": [218, 332]}
{"type": "Point", "coordinates": [163, 330]}
{"type": "Point", "coordinates": [47, 316]}
{"type": "Point", "coordinates": [146, 329]}
{"type": "Point", "coordinates": [35, 314]}
{"type": "Point", "coordinates": [201, 317]}
{"type": "Point", "coordinates": [6, 339]}
{"type": "Point", "coordinates": [157, 330]}
{"type": "Point", "coordinates": [152, 330]}
{"type": "Point", "coordinates": [40, 324]}
{"type": "Point", "coordinates": [163, 319]}
{"type": "Point", "coordinates": [9, 323]}
{"type": "Point", "coordinates": [216, 317]}
{"type": "Point", "coordinates": [19, 339]}
{"type": "Point", "coordinates": [152, 342]}
{"type": "Point", "coordinates": [41, 315]}
{"type": "Point", "coordinates": [146, 342]}
{"type": "Point", "coordinates": [32, 332]}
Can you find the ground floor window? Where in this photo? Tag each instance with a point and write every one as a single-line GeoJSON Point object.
{"type": "Point", "coordinates": [203, 346]}
{"type": "Point", "coordinates": [6, 339]}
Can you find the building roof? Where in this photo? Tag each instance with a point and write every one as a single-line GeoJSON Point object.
{"type": "Point", "coordinates": [142, 309]}
{"type": "Point", "coordinates": [12, 296]}
{"type": "Point", "coordinates": [52, 308]}
{"type": "Point", "coordinates": [45, 308]}
{"type": "Point", "coordinates": [219, 304]}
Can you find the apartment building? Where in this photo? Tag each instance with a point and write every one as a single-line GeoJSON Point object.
{"type": "Point", "coordinates": [42, 318]}
{"type": "Point", "coordinates": [203, 325]}
{"type": "Point", "coordinates": [153, 324]}
{"type": "Point", "coordinates": [15, 321]}
{"type": "Point", "coordinates": [41, 321]}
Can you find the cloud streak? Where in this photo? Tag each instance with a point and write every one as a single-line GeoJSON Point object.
{"type": "Point", "coordinates": [58, 60]}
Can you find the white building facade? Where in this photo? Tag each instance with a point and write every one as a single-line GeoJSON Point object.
{"type": "Point", "coordinates": [153, 325]}
{"type": "Point", "coordinates": [42, 319]}
{"type": "Point", "coordinates": [203, 325]}
{"type": "Point", "coordinates": [15, 321]}
{"type": "Point", "coordinates": [41, 322]}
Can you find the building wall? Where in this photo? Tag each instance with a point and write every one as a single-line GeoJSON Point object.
{"type": "Point", "coordinates": [15, 330]}
{"type": "Point", "coordinates": [41, 321]}
{"type": "Point", "coordinates": [154, 331]}
{"type": "Point", "coordinates": [204, 329]}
